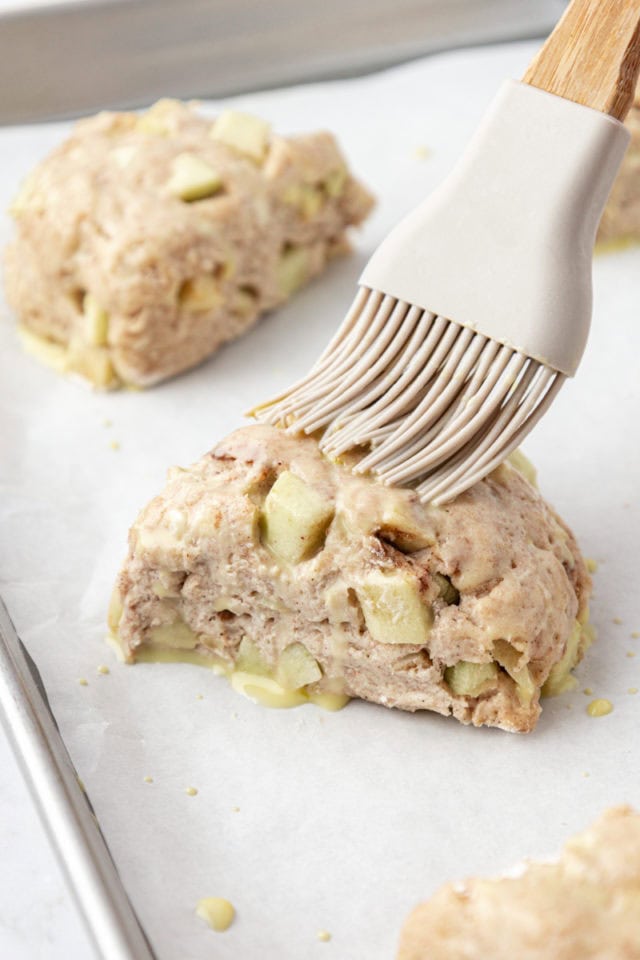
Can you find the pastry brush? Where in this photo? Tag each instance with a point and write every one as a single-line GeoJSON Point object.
{"type": "Point", "coordinates": [476, 308]}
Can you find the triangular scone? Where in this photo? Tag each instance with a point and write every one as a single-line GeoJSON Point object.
{"type": "Point", "coordinates": [299, 576]}
{"type": "Point", "coordinates": [584, 906]}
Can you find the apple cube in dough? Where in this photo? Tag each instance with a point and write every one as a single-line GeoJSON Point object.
{"type": "Point", "coordinates": [393, 608]}
{"type": "Point", "coordinates": [97, 320]}
{"type": "Point", "coordinates": [508, 658]}
{"type": "Point", "coordinates": [294, 519]}
{"type": "Point", "coordinates": [468, 679]}
{"type": "Point", "coordinates": [193, 179]}
{"type": "Point", "coordinates": [243, 132]}
{"type": "Point", "coordinates": [200, 293]}
{"type": "Point", "coordinates": [297, 668]}
{"type": "Point", "coordinates": [291, 271]}
{"type": "Point", "coordinates": [176, 635]}
{"type": "Point", "coordinates": [560, 678]}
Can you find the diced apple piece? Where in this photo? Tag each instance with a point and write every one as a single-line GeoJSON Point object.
{"type": "Point", "coordinates": [154, 120]}
{"type": "Point", "coordinates": [468, 679]}
{"type": "Point", "coordinates": [249, 659]}
{"type": "Point", "coordinates": [305, 198]}
{"type": "Point", "coordinates": [508, 658]}
{"type": "Point", "coordinates": [560, 679]}
{"type": "Point", "coordinates": [93, 363]}
{"type": "Point", "coordinates": [297, 668]}
{"type": "Point", "coordinates": [393, 608]}
{"type": "Point", "coordinates": [524, 466]}
{"type": "Point", "coordinates": [447, 590]}
{"type": "Point", "coordinates": [243, 132]}
{"type": "Point", "coordinates": [176, 634]}
{"type": "Point", "coordinates": [334, 183]}
{"type": "Point", "coordinates": [193, 178]}
{"type": "Point", "coordinates": [244, 302]}
{"type": "Point", "coordinates": [96, 321]}
{"type": "Point", "coordinates": [291, 270]}
{"type": "Point", "coordinates": [200, 294]}
{"type": "Point", "coordinates": [399, 527]}
{"type": "Point", "coordinates": [294, 519]}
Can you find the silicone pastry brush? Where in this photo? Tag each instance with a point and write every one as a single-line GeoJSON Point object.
{"type": "Point", "coordinates": [476, 308]}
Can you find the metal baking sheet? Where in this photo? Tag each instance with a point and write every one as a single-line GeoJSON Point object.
{"type": "Point", "coordinates": [60, 59]}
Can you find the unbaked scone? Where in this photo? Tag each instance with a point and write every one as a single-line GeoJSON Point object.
{"type": "Point", "coordinates": [144, 242]}
{"type": "Point", "coordinates": [298, 578]}
{"type": "Point", "coordinates": [620, 222]}
{"type": "Point", "coordinates": [584, 906]}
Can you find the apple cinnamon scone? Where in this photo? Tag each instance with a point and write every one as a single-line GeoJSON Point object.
{"type": "Point", "coordinates": [144, 242]}
{"type": "Point", "coordinates": [620, 222]}
{"type": "Point", "coordinates": [299, 579]}
{"type": "Point", "coordinates": [584, 905]}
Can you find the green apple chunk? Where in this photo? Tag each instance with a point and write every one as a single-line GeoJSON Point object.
{"type": "Point", "coordinates": [468, 679]}
{"type": "Point", "coordinates": [291, 270]}
{"type": "Point", "coordinates": [297, 668]}
{"type": "Point", "coordinates": [96, 320]}
{"type": "Point", "coordinates": [243, 132]}
{"type": "Point", "coordinates": [393, 608]}
{"type": "Point", "coordinates": [177, 635]}
{"type": "Point", "coordinates": [524, 466]}
{"type": "Point", "coordinates": [294, 518]}
{"type": "Point", "coordinates": [335, 182]}
{"type": "Point", "coordinates": [447, 590]}
{"type": "Point", "coordinates": [560, 679]}
{"type": "Point", "coordinates": [200, 294]}
{"type": "Point", "coordinates": [249, 659]}
{"type": "Point", "coordinates": [399, 527]}
{"type": "Point", "coordinates": [508, 658]}
{"type": "Point", "coordinates": [193, 178]}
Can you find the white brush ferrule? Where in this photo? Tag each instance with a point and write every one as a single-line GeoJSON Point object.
{"type": "Point", "coordinates": [504, 246]}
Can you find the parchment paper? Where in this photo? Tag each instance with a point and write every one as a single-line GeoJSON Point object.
{"type": "Point", "coordinates": [305, 819]}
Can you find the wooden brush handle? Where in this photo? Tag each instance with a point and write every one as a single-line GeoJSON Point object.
{"type": "Point", "coordinates": [593, 56]}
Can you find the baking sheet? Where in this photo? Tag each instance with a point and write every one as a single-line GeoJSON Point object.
{"type": "Point", "coordinates": [308, 820]}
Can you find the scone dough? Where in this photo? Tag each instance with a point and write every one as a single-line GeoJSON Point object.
{"type": "Point", "coordinates": [145, 242]}
{"type": "Point", "coordinates": [584, 906]}
{"type": "Point", "coordinates": [262, 546]}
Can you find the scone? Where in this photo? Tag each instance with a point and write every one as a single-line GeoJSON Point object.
{"type": "Point", "coordinates": [621, 218]}
{"type": "Point", "coordinates": [584, 906]}
{"type": "Point", "coordinates": [145, 242]}
{"type": "Point", "coordinates": [298, 579]}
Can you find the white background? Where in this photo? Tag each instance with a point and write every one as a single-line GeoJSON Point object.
{"type": "Point", "coordinates": [345, 819]}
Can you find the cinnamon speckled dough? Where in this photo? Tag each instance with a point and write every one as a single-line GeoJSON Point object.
{"type": "Point", "coordinates": [494, 574]}
{"type": "Point", "coordinates": [621, 218]}
{"type": "Point", "coordinates": [585, 906]}
{"type": "Point", "coordinates": [170, 278]}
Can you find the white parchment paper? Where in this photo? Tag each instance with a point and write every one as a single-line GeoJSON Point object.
{"type": "Point", "coordinates": [305, 819]}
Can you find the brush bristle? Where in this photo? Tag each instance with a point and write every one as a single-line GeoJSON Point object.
{"type": "Point", "coordinates": [432, 403]}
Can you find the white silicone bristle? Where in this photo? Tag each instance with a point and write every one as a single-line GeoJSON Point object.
{"type": "Point", "coordinates": [429, 402]}
{"type": "Point", "coordinates": [475, 308]}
